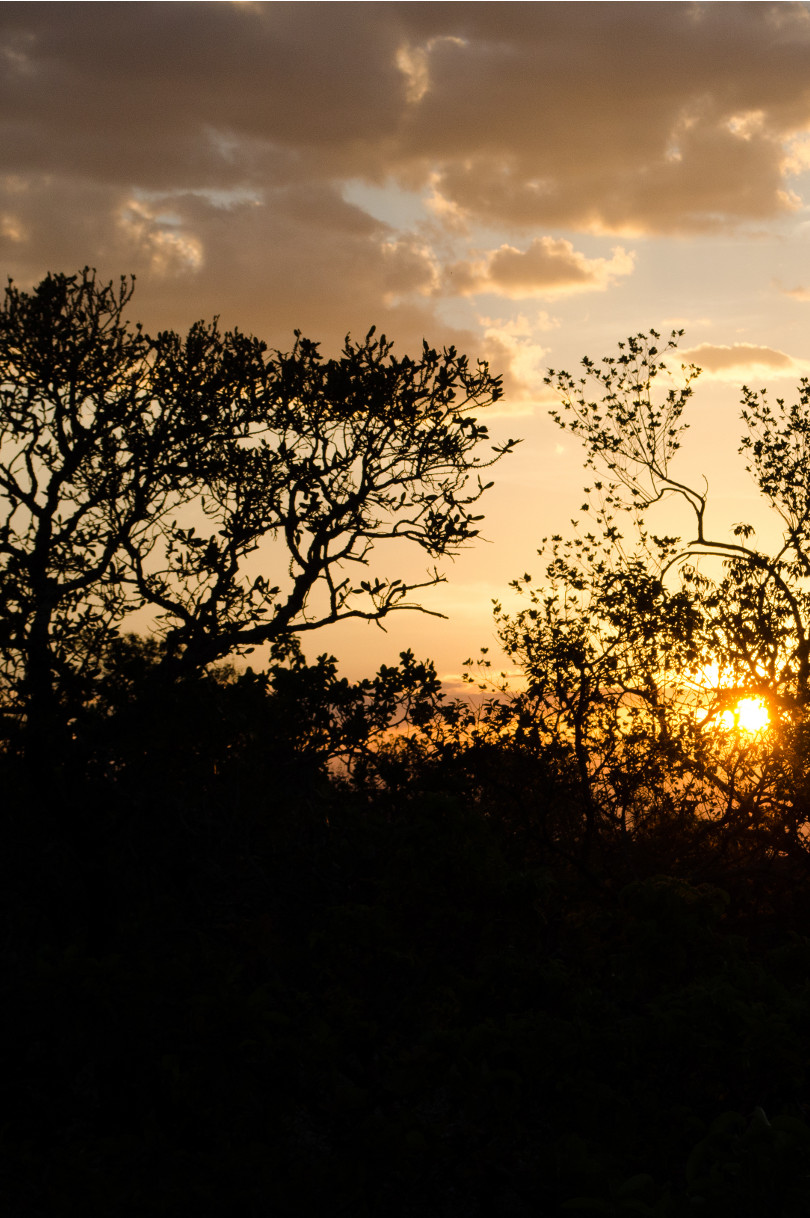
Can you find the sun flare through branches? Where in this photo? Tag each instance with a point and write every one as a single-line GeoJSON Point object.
{"type": "Point", "coordinates": [749, 715]}
{"type": "Point", "coordinates": [731, 710]}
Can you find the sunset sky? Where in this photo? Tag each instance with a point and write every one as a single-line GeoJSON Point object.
{"type": "Point", "coordinates": [531, 182]}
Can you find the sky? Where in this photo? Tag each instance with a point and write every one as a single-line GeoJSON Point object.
{"type": "Point", "coordinates": [530, 182]}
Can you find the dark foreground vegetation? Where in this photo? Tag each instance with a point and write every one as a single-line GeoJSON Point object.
{"type": "Point", "coordinates": [274, 943]}
{"type": "Point", "coordinates": [235, 983]}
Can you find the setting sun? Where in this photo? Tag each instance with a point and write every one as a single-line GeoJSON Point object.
{"type": "Point", "coordinates": [748, 715]}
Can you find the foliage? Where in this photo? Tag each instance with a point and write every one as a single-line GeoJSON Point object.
{"type": "Point", "coordinates": [142, 473]}
{"type": "Point", "coordinates": [635, 647]}
{"type": "Point", "coordinates": [374, 1003]}
{"type": "Point", "coordinates": [302, 716]}
{"type": "Point", "coordinates": [270, 951]}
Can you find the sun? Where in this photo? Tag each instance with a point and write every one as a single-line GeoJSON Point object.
{"type": "Point", "coordinates": [748, 715]}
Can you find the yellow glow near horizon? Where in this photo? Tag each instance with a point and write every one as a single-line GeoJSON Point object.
{"type": "Point", "coordinates": [749, 715]}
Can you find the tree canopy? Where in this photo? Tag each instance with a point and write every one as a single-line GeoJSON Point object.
{"type": "Point", "coordinates": [543, 956]}
{"type": "Point", "coordinates": [638, 648]}
{"type": "Point", "coordinates": [151, 472]}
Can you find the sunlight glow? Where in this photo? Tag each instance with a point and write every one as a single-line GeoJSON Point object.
{"type": "Point", "coordinates": [749, 715]}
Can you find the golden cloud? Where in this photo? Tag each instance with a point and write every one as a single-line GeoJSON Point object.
{"type": "Point", "coordinates": [798, 293]}
{"type": "Point", "coordinates": [607, 117]}
{"type": "Point", "coordinates": [169, 248]}
{"type": "Point", "coordinates": [547, 268]}
{"type": "Point", "coordinates": [740, 359]}
{"type": "Point", "coordinates": [216, 150]}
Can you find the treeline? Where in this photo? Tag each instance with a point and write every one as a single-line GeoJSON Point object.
{"type": "Point", "coordinates": [236, 977]}
{"type": "Point", "coordinates": [274, 940]}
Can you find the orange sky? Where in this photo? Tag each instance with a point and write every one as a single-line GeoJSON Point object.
{"type": "Point", "coordinates": [529, 181]}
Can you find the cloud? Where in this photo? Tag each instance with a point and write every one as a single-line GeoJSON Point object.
{"type": "Point", "coordinates": [547, 268]}
{"type": "Point", "coordinates": [511, 346]}
{"type": "Point", "coordinates": [616, 118]}
{"type": "Point", "coordinates": [798, 292]}
{"type": "Point", "coordinates": [691, 121]}
{"type": "Point", "coordinates": [409, 267]}
{"type": "Point", "coordinates": [207, 148]}
{"type": "Point", "coordinates": [11, 229]}
{"type": "Point", "coordinates": [739, 359]}
{"type": "Point", "coordinates": [160, 238]}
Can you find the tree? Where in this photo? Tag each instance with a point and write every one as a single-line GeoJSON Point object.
{"type": "Point", "coordinates": [149, 473]}
{"type": "Point", "coordinates": [85, 466]}
{"type": "Point", "coordinates": [227, 723]}
{"type": "Point", "coordinates": [638, 650]}
{"type": "Point", "coordinates": [332, 457]}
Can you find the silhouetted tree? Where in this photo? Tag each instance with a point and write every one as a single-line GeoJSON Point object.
{"type": "Point", "coordinates": [152, 473]}
{"type": "Point", "coordinates": [293, 714]}
{"type": "Point", "coordinates": [620, 640]}
{"type": "Point", "coordinates": [86, 466]}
